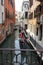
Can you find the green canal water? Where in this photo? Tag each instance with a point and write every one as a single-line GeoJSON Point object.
{"type": "Point", "coordinates": [7, 56]}
{"type": "Point", "coordinates": [9, 42]}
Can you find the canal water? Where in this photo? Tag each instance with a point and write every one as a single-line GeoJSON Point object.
{"type": "Point", "coordinates": [7, 57]}
{"type": "Point", "coordinates": [9, 42]}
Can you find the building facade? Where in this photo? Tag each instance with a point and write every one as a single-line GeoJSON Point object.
{"type": "Point", "coordinates": [35, 23]}
{"type": "Point", "coordinates": [2, 18]}
{"type": "Point", "coordinates": [7, 16]}
{"type": "Point", "coordinates": [25, 10]}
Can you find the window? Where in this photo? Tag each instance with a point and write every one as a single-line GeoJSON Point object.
{"type": "Point", "coordinates": [31, 16]}
{"type": "Point", "coordinates": [26, 15]}
{"type": "Point", "coordinates": [26, 6]}
{"type": "Point", "coordinates": [26, 26]}
{"type": "Point", "coordinates": [37, 31]}
{"type": "Point", "coordinates": [1, 2]}
{"type": "Point", "coordinates": [40, 32]}
{"type": "Point", "coordinates": [40, 8]}
{"type": "Point", "coordinates": [6, 13]}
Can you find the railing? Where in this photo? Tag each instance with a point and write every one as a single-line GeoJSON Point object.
{"type": "Point", "coordinates": [26, 57]}
{"type": "Point", "coordinates": [35, 43]}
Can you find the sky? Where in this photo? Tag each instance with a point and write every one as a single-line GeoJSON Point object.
{"type": "Point", "coordinates": [18, 5]}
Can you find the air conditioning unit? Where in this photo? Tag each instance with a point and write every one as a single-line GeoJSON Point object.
{"type": "Point", "coordinates": [41, 19]}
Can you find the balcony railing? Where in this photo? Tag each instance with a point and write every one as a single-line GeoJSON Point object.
{"type": "Point", "coordinates": [25, 57]}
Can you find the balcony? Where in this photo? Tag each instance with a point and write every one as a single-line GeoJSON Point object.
{"type": "Point", "coordinates": [8, 57]}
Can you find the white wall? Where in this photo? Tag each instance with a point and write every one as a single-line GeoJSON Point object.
{"type": "Point", "coordinates": [1, 10]}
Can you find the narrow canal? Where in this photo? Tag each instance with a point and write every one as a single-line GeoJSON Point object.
{"type": "Point", "coordinates": [6, 57]}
